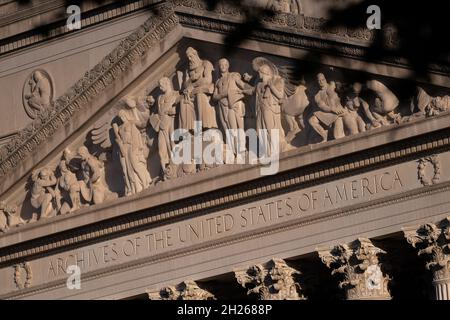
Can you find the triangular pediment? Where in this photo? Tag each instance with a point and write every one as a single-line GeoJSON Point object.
{"type": "Point", "coordinates": [86, 133]}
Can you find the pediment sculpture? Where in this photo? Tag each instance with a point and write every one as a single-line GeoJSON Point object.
{"type": "Point", "coordinates": [219, 99]}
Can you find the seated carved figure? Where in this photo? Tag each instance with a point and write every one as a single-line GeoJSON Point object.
{"type": "Point", "coordinates": [93, 189]}
{"type": "Point", "coordinates": [11, 217]}
{"type": "Point", "coordinates": [286, 6]}
{"type": "Point", "coordinates": [330, 113]}
{"type": "Point", "coordinates": [40, 97]}
{"type": "Point", "coordinates": [357, 110]}
{"type": "Point", "coordinates": [43, 192]}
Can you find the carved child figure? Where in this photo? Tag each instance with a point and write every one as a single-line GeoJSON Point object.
{"type": "Point", "coordinates": [43, 192]}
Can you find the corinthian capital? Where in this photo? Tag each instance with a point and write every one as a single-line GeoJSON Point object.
{"type": "Point", "coordinates": [358, 266]}
{"type": "Point", "coordinates": [271, 281]}
{"type": "Point", "coordinates": [433, 242]}
{"type": "Point", "coordinates": [187, 290]}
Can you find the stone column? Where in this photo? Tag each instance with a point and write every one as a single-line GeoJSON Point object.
{"type": "Point", "coordinates": [433, 242]}
{"type": "Point", "coordinates": [359, 268]}
{"type": "Point", "coordinates": [187, 290]}
{"type": "Point", "coordinates": [271, 281]}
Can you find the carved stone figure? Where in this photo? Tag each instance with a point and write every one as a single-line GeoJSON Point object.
{"type": "Point", "coordinates": [69, 183]}
{"type": "Point", "coordinates": [383, 109]}
{"type": "Point", "coordinates": [132, 151]}
{"type": "Point", "coordinates": [429, 106]}
{"type": "Point", "coordinates": [165, 120]}
{"type": "Point", "coordinates": [359, 269]}
{"type": "Point", "coordinates": [198, 89]}
{"type": "Point", "coordinates": [270, 95]}
{"type": "Point", "coordinates": [286, 6]}
{"type": "Point", "coordinates": [330, 113]}
{"type": "Point", "coordinates": [187, 290]}
{"type": "Point", "coordinates": [43, 192]}
{"type": "Point", "coordinates": [273, 281]}
{"type": "Point", "coordinates": [40, 93]}
{"type": "Point", "coordinates": [230, 91]}
{"type": "Point", "coordinates": [93, 187]}
{"type": "Point", "coordinates": [12, 217]}
{"type": "Point", "coordinates": [357, 110]}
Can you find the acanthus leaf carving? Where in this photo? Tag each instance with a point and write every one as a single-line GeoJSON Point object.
{"type": "Point", "coordinates": [433, 242]}
{"type": "Point", "coordinates": [273, 281]}
{"type": "Point", "coordinates": [187, 290]}
{"type": "Point", "coordinates": [358, 265]}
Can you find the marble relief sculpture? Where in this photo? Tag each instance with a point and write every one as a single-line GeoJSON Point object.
{"type": "Point", "coordinates": [69, 183]}
{"type": "Point", "coordinates": [270, 95]}
{"type": "Point", "coordinates": [330, 112]}
{"type": "Point", "coordinates": [94, 188]}
{"type": "Point", "coordinates": [132, 151]}
{"type": "Point", "coordinates": [43, 192]}
{"type": "Point", "coordinates": [424, 104]}
{"type": "Point", "coordinates": [128, 132]}
{"type": "Point", "coordinates": [198, 89]}
{"type": "Point", "coordinates": [286, 6]}
{"type": "Point", "coordinates": [164, 123]}
{"type": "Point", "coordinates": [11, 217]}
{"type": "Point", "coordinates": [229, 94]}
{"type": "Point", "coordinates": [39, 93]}
{"type": "Point", "coordinates": [385, 105]}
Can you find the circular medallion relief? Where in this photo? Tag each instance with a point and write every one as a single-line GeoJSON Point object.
{"type": "Point", "coordinates": [38, 93]}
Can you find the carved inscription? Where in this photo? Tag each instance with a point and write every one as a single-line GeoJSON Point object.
{"type": "Point", "coordinates": [230, 222]}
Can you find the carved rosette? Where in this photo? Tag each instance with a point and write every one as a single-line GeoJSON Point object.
{"type": "Point", "coordinates": [425, 178]}
{"type": "Point", "coordinates": [187, 290]}
{"type": "Point", "coordinates": [433, 242]}
{"type": "Point", "coordinates": [359, 268]}
{"type": "Point", "coordinates": [272, 281]}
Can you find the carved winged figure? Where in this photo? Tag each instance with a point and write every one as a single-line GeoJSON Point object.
{"type": "Point", "coordinates": [125, 131]}
{"type": "Point", "coordinates": [275, 94]}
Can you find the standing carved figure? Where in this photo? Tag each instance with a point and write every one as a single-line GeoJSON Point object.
{"type": "Point", "coordinates": [270, 95]}
{"type": "Point", "coordinates": [167, 103]}
{"type": "Point", "coordinates": [43, 192]}
{"type": "Point", "coordinates": [93, 187]}
{"type": "Point", "coordinates": [68, 182]}
{"type": "Point", "coordinates": [198, 89]}
{"type": "Point", "coordinates": [132, 151]}
{"type": "Point", "coordinates": [330, 111]}
{"type": "Point", "coordinates": [230, 91]}
{"type": "Point", "coordinates": [40, 93]}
